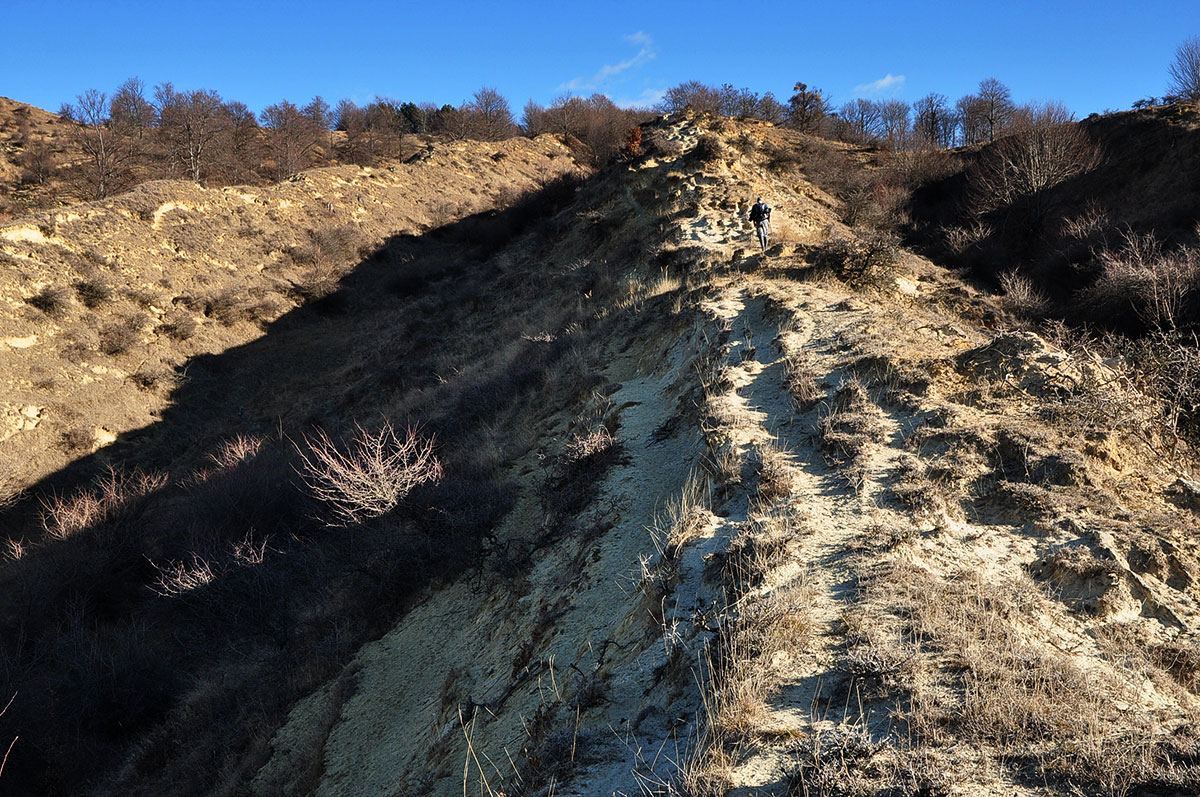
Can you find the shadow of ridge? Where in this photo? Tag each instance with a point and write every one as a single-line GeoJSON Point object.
{"type": "Point", "coordinates": [164, 637]}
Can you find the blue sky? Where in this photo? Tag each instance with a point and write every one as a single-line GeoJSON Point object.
{"type": "Point", "coordinates": [1093, 55]}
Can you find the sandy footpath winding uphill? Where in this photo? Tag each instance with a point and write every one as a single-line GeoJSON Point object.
{"type": "Point", "coordinates": [941, 582]}
{"type": "Point", "coordinates": [102, 304]}
{"type": "Point", "coordinates": [849, 542]}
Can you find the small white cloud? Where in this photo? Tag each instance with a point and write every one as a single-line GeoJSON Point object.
{"type": "Point", "coordinates": [888, 84]}
{"type": "Point", "coordinates": [647, 99]}
{"type": "Point", "coordinates": [605, 73]}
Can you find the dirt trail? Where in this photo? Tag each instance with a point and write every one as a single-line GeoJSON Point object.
{"type": "Point", "coordinates": [867, 516]}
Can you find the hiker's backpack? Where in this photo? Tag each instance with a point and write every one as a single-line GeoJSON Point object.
{"type": "Point", "coordinates": [757, 213]}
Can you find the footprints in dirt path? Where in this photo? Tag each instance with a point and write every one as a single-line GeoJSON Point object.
{"type": "Point", "coordinates": [830, 512]}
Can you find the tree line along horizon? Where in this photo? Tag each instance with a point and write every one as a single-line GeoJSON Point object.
{"type": "Point", "coordinates": [135, 135]}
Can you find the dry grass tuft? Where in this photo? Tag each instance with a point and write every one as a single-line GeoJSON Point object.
{"type": "Point", "coordinates": [802, 379]}
{"type": "Point", "coordinates": [1017, 695]}
{"type": "Point", "coordinates": [848, 429]}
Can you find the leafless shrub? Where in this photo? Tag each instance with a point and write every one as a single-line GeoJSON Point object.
{"type": "Point", "coordinates": [572, 478]}
{"type": "Point", "coordinates": [77, 439]}
{"type": "Point", "coordinates": [961, 240]}
{"type": "Point", "coordinates": [708, 149]}
{"type": "Point", "coordinates": [233, 452]}
{"type": "Point", "coordinates": [917, 167]}
{"type": "Point", "coordinates": [1093, 222]}
{"type": "Point", "coordinates": [1167, 365]}
{"type": "Point", "coordinates": [1045, 150]}
{"type": "Point", "coordinates": [869, 260]}
{"type": "Point", "coordinates": [247, 552]}
{"type": "Point", "coordinates": [1143, 277]}
{"type": "Point", "coordinates": [63, 515]}
{"type": "Point", "coordinates": [151, 378]}
{"type": "Point", "coordinates": [178, 577]}
{"type": "Point", "coordinates": [372, 475]}
{"type": "Point", "coordinates": [120, 336]}
{"type": "Point", "coordinates": [144, 297]}
{"type": "Point", "coordinates": [783, 159]}
{"type": "Point", "coordinates": [93, 292]}
{"type": "Point", "coordinates": [1020, 295]}
{"type": "Point", "coordinates": [589, 444]}
{"type": "Point", "coordinates": [227, 306]}
{"type": "Point", "coordinates": [51, 300]}
{"type": "Point", "coordinates": [179, 325]}
{"type": "Point", "coordinates": [1181, 660]}
{"type": "Point", "coordinates": [10, 489]}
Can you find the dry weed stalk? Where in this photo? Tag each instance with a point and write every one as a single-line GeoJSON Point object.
{"type": "Point", "coordinates": [376, 471]}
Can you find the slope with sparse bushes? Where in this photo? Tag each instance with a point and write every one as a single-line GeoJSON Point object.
{"type": "Point", "coordinates": [107, 303]}
{"type": "Point", "coordinates": [588, 496]}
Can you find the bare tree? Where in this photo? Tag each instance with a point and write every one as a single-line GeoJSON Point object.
{"type": "Point", "coordinates": [240, 144]}
{"type": "Point", "coordinates": [322, 118]}
{"type": "Point", "coordinates": [567, 115]}
{"type": "Point", "coordinates": [105, 167]}
{"type": "Point", "coordinates": [292, 137]}
{"type": "Point", "coordinates": [893, 121]}
{"type": "Point", "coordinates": [1046, 149]}
{"type": "Point", "coordinates": [934, 122]}
{"type": "Point", "coordinates": [190, 123]}
{"type": "Point", "coordinates": [533, 118]}
{"type": "Point", "coordinates": [1185, 70]}
{"type": "Point", "coordinates": [693, 95]}
{"type": "Point", "coordinates": [132, 117]}
{"type": "Point", "coordinates": [973, 122]}
{"type": "Point", "coordinates": [771, 110]}
{"type": "Point", "coordinates": [737, 102]}
{"type": "Point", "coordinates": [862, 120]}
{"type": "Point", "coordinates": [596, 121]}
{"type": "Point", "coordinates": [996, 106]}
{"type": "Point", "coordinates": [491, 118]}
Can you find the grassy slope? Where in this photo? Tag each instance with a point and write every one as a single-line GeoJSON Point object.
{"type": "Point", "coordinates": [916, 555]}
{"type": "Point", "coordinates": [126, 292]}
{"type": "Point", "coordinates": [712, 522]}
{"type": "Point", "coordinates": [111, 660]}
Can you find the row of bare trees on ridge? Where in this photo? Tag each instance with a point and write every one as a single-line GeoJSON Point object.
{"type": "Point", "coordinates": [136, 134]}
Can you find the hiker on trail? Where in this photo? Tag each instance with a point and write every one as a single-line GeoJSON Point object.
{"type": "Point", "coordinates": [760, 214]}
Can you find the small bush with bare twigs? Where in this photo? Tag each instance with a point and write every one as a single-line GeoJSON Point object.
{"type": "Point", "coordinates": [869, 260]}
{"type": "Point", "coordinates": [179, 577]}
{"type": "Point", "coordinates": [1143, 277]}
{"type": "Point", "coordinates": [371, 474]}
{"type": "Point", "coordinates": [53, 300]}
{"type": "Point", "coordinates": [116, 492]}
{"type": "Point", "coordinates": [1021, 296]}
